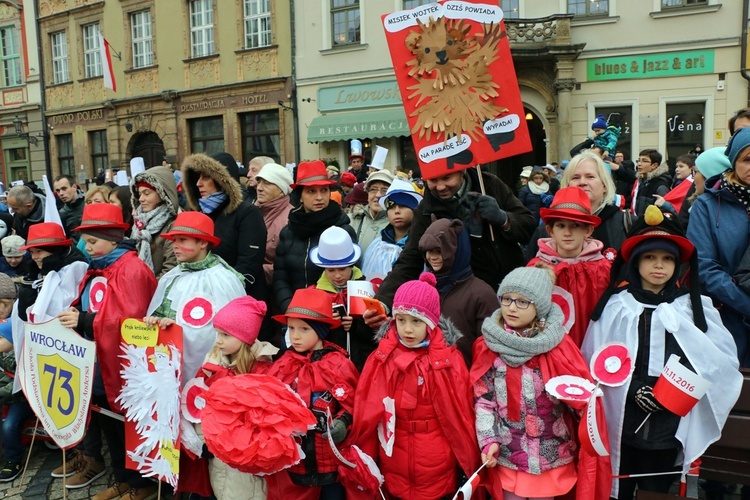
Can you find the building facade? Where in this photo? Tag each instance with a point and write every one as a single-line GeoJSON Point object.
{"type": "Point", "coordinates": [191, 76]}
{"type": "Point", "coordinates": [672, 69]}
{"type": "Point", "coordinates": [22, 131]}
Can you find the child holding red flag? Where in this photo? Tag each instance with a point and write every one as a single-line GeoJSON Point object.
{"type": "Point", "coordinates": [656, 317]}
{"type": "Point", "coordinates": [117, 285]}
{"type": "Point", "coordinates": [527, 437]}
{"type": "Point", "coordinates": [322, 375]}
{"type": "Point", "coordinates": [414, 414]}
{"type": "Point", "coordinates": [577, 259]}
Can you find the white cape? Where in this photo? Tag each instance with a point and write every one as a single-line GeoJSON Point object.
{"type": "Point", "coordinates": [713, 356]}
{"type": "Point", "coordinates": [216, 286]}
{"type": "Point", "coordinates": [59, 290]}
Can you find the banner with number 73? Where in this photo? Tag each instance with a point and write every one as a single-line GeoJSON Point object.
{"type": "Point", "coordinates": [57, 374]}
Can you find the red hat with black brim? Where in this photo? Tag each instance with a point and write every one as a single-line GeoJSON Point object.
{"type": "Point", "coordinates": [312, 173]}
{"type": "Point", "coordinates": [101, 216]}
{"type": "Point", "coordinates": [193, 225]}
{"type": "Point", "coordinates": [655, 224]}
{"type": "Point", "coordinates": [310, 304]}
{"type": "Point", "coordinates": [570, 203]}
{"type": "Point", "coordinates": [46, 234]}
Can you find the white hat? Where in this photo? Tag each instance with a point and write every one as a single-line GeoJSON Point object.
{"type": "Point", "coordinates": [378, 159]}
{"type": "Point", "coordinates": [335, 249]}
{"type": "Point", "coordinates": [403, 189]}
{"type": "Point", "coordinates": [384, 176]}
{"type": "Point", "coordinates": [276, 175]}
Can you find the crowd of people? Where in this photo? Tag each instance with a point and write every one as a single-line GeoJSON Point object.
{"type": "Point", "coordinates": [451, 370]}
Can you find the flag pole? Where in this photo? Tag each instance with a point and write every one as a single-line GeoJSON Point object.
{"type": "Point", "coordinates": [481, 187]}
{"type": "Point", "coordinates": [31, 446]}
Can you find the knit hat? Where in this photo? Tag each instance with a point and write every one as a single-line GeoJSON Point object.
{"type": "Point", "coordinates": [712, 162]}
{"type": "Point", "coordinates": [335, 250]}
{"type": "Point", "coordinates": [332, 169]}
{"type": "Point", "coordinates": [348, 178]}
{"type": "Point", "coordinates": [570, 203]}
{"type": "Point", "coordinates": [229, 163]}
{"type": "Point", "coordinates": [419, 298]}
{"type": "Point", "coordinates": [600, 122]}
{"type": "Point", "coordinates": [7, 287]}
{"type": "Point", "coordinates": [241, 318]}
{"type": "Point", "coordinates": [402, 193]}
{"type": "Point", "coordinates": [533, 283]}
{"type": "Point", "coordinates": [739, 141]}
{"type": "Point", "coordinates": [276, 175]}
{"type": "Point", "coordinates": [11, 246]}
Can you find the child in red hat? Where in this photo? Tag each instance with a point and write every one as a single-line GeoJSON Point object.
{"type": "Point", "coordinates": [322, 375]}
{"type": "Point", "coordinates": [581, 268]}
{"type": "Point", "coordinates": [117, 285]}
{"type": "Point", "coordinates": [237, 351]}
{"type": "Point", "coordinates": [414, 415]}
{"type": "Point", "coordinates": [191, 293]}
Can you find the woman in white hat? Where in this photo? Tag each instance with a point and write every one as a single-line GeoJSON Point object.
{"type": "Point", "coordinates": [273, 185]}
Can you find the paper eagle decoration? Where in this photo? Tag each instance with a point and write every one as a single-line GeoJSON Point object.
{"type": "Point", "coordinates": [150, 398]}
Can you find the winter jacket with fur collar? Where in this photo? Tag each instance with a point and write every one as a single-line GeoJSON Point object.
{"type": "Point", "coordinates": [238, 223]}
{"type": "Point", "coordinates": [658, 181]}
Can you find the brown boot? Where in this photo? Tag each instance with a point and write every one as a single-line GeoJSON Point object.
{"type": "Point", "coordinates": [143, 493]}
{"type": "Point", "coordinates": [71, 465]}
{"type": "Point", "coordinates": [112, 492]}
{"type": "Point", "coordinates": [89, 471]}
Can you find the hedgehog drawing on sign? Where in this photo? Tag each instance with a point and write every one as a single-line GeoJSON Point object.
{"type": "Point", "coordinates": [452, 72]}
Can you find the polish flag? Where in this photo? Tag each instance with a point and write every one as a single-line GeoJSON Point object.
{"type": "Point", "coordinates": [107, 70]}
{"type": "Point", "coordinates": [678, 389]}
{"type": "Point", "coordinates": [469, 487]}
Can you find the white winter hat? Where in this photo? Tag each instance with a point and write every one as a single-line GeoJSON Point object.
{"type": "Point", "coordinates": [277, 175]}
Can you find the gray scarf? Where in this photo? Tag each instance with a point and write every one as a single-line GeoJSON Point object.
{"type": "Point", "coordinates": [145, 227]}
{"type": "Point", "coordinates": [516, 350]}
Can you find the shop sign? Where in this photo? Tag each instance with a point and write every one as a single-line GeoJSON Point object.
{"type": "Point", "coordinates": [359, 96]}
{"type": "Point", "coordinates": [695, 62]}
{"type": "Point", "coordinates": [79, 116]}
{"type": "Point", "coordinates": [362, 129]}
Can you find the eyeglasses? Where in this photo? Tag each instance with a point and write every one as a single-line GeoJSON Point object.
{"type": "Point", "coordinates": [643, 161]}
{"type": "Point", "coordinates": [520, 303]}
{"type": "Point", "coordinates": [378, 191]}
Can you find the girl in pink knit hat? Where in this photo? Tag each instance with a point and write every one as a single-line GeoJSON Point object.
{"type": "Point", "coordinates": [415, 417]}
{"type": "Point", "coordinates": [237, 351]}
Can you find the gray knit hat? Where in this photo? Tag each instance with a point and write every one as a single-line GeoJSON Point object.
{"type": "Point", "coordinates": [533, 283]}
{"type": "Point", "coordinates": [11, 244]}
{"type": "Point", "coordinates": [7, 287]}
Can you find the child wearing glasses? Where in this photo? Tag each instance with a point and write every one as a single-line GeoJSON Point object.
{"type": "Point", "coordinates": [577, 259]}
{"type": "Point", "coordinates": [527, 437]}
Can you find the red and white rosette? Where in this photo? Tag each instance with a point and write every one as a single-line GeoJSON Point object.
{"type": "Point", "coordinates": [97, 292]}
{"type": "Point", "coordinates": [570, 388]}
{"type": "Point", "coordinates": [564, 300]}
{"type": "Point", "coordinates": [193, 399]}
{"type": "Point", "coordinates": [197, 312]}
{"type": "Point", "coordinates": [611, 364]}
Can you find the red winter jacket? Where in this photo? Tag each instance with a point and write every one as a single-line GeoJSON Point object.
{"type": "Point", "coordinates": [434, 424]}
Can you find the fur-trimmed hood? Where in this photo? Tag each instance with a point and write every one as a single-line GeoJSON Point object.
{"type": "Point", "coordinates": [450, 332]}
{"type": "Point", "coordinates": [162, 179]}
{"type": "Point", "coordinates": [658, 171]}
{"type": "Point", "coordinates": [195, 165]}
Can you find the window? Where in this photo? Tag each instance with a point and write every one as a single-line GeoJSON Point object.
{"type": "Point", "coordinates": [92, 58]}
{"type": "Point", "coordinates": [257, 23]}
{"type": "Point", "coordinates": [588, 7]}
{"type": "Point", "coordinates": [140, 23]}
{"type": "Point", "coordinates": [17, 154]}
{"type": "Point", "coordinates": [625, 142]}
{"type": "Point", "coordinates": [682, 3]}
{"type": "Point", "coordinates": [510, 9]}
{"type": "Point", "coordinates": [410, 4]}
{"type": "Point", "coordinates": [201, 28]}
{"type": "Point", "coordinates": [685, 126]}
{"type": "Point", "coordinates": [207, 135]}
{"type": "Point", "coordinates": [345, 21]}
{"type": "Point", "coordinates": [99, 156]}
{"type": "Point", "coordinates": [11, 57]}
{"type": "Point", "coordinates": [65, 154]}
{"type": "Point", "coordinates": [260, 135]}
{"type": "Point", "coordinates": [59, 57]}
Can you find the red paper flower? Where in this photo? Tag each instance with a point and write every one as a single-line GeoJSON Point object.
{"type": "Point", "coordinates": [250, 423]}
{"type": "Point", "coordinates": [612, 364]}
{"type": "Point", "coordinates": [365, 476]}
{"type": "Point", "coordinates": [340, 393]}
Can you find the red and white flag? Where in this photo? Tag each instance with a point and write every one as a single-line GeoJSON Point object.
{"type": "Point", "coordinates": [107, 69]}
{"type": "Point", "coordinates": [679, 389]}
{"type": "Point", "coordinates": [470, 486]}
